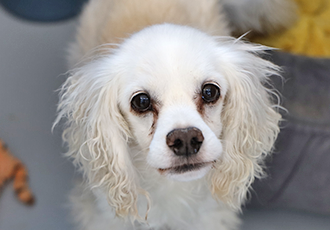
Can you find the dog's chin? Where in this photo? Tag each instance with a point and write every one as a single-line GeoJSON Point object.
{"type": "Point", "coordinates": [187, 172]}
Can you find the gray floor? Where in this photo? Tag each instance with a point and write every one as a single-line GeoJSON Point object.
{"type": "Point", "coordinates": [32, 59]}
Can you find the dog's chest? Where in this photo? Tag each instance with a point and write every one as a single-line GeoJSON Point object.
{"type": "Point", "coordinates": [177, 203]}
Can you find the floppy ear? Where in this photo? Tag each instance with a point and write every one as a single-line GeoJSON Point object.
{"type": "Point", "coordinates": [97, 135]}
{"type": "Point", "coordinates": [250, 122]}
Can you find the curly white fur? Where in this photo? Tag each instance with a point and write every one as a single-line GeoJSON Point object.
{"type": "Point", "coordinates": [168, 49]}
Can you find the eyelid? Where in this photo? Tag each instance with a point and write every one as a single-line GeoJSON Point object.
{"type": "Point", "coordinates": [211, 82]}
{"type": "Point", "coordinates": [138, 92]}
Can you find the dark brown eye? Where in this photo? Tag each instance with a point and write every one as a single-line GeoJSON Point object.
{"type": "Point", "coordinates": [141, 102]}
{"type": "Point", "coordinates": [210, 93]}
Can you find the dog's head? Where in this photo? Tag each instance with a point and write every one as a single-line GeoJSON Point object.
{"type": "Point", "coordinates": [186, 101]}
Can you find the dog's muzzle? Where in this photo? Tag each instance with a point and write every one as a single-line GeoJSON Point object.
{"type": "Point", "coordinates": [185, 142]}
{"type": "Point", "coordinates": [188, 160]}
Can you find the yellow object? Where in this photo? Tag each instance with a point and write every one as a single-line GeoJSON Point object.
{"type": "Point", "coordinates": [310, 35]}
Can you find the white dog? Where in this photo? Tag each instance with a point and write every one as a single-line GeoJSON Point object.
{"type": "Point", "coordinates": [167, 117]}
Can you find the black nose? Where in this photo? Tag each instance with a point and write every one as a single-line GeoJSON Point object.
{"type": "Point", "coordinates": [185, 142]}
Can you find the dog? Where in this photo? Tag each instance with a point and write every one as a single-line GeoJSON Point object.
{"type": "Point", "coordinates": [167, 117]}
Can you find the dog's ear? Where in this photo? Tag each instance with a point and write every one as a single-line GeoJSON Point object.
{"type": "Point", "coordinates": [250, 121]}
{"type": "Point", "coordinates": [97, 135]}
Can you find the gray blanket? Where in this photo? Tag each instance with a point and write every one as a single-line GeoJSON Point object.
{"type": "Point", "coordinates": [299, 170]}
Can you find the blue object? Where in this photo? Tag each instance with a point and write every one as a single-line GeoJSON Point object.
{"type": "Point", "coordinates": [44, 10]}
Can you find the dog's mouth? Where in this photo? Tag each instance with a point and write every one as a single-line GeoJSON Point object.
{"type": "Point", "coordinates": [185, 168]}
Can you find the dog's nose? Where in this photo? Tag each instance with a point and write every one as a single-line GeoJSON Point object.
{"type": "Point", "coordinates": [185, 142]}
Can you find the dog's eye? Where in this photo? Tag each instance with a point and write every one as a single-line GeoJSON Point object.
{"type": "Point", "coordinates": [141, 102]}
{"type": "Point", "coordinates": [210, 93]}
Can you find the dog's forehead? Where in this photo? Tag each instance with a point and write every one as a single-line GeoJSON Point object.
{"type": "Point", "coordinates": [165, 61]}
{"type": "Point", "coordinates": [170, 74]}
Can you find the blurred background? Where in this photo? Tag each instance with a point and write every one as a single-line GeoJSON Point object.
{"type": "Point", "coordinates": [32, 67]}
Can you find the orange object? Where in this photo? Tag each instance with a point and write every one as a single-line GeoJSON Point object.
{"type": "Point", "coordinates": [12, 168]}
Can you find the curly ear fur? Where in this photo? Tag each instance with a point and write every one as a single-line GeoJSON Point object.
{"type": "Point", "coordinates": [250, 122]}
{"type": "Point", "coordinates": [97, 134]}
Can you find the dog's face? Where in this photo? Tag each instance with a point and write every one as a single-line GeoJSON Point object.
{"type": "Point", "coordinates": [187, 100]}
{"type": "Point", "coordinates": [172, 98]}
